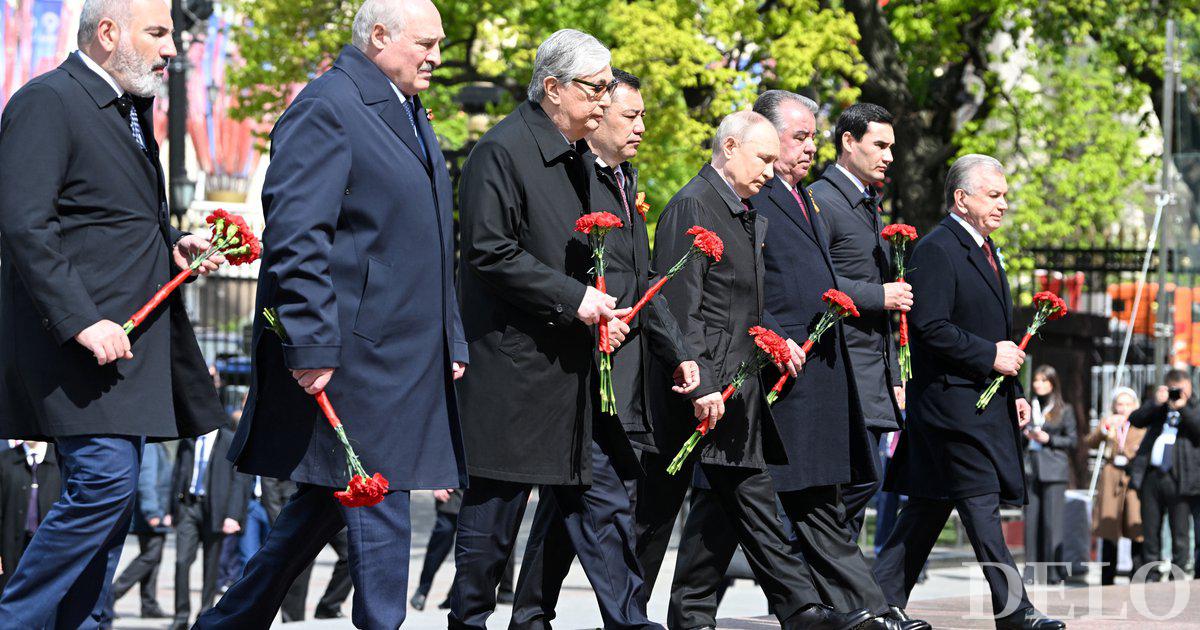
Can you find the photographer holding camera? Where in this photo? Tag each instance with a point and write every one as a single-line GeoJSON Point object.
{"type": "Point", "coordinates": [1166, 469]}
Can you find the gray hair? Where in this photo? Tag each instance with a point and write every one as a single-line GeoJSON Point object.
{"type": "Point", "coordinates": [962, 174]}
{"type": "Point", "coordinates": [566, 55]}
{"type": "Point", "coordinates": [95, 10]}
{"type": "Point", "coordinates": [769, 102]}
{"type": "Point", "coordinates": [737, 125]}
{"type": "Point", "coordinates": [389, 13]}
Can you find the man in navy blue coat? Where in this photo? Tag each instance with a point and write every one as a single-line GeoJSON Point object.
{"type": "Point", "coordinates": [951, 455]}
{"type": "Point", "coordinates": [358, 262]}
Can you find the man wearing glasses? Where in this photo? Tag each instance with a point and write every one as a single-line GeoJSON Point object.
{"type": "Point", "coordinates": [530, 412]}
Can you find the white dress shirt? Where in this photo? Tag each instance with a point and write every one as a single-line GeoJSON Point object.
{"type": "Point", "coordinates": [969, 228]}
{"type": "Point", "coordinates": [95, 67]}
{"type": "Point", "coordinates": [862, 188]}
{"type": "Point", "coordinates": [204, 445]}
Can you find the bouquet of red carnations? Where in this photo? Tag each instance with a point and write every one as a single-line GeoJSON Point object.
{"type": "Point", "coordinates": [840, 307]}
{"type": "Point", "coordinates": [597, 225]}
{"type": "Point", "coordinates": [230, 237]}
{"type": "Point", "coordinates": [363, 490]}
{"type": "Point", "coordinates": [900, 235]}
{"type": "Point", "coordinates": [1049, 308]}
{"type": "Point", "coordinates": [706, 243]}
{"type": "Point", "coordinates": [771, 348]}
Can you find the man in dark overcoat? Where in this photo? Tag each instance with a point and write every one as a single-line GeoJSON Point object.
{"type": "Point", "coordinates": [358, 262]}
{"type": "Point", "coordinates": [30, 483]}
{"type": "Point", "coordinates": [531, 400]}
{"type": "Point", "coordinates": [951, 454]}
{"type": "Point", "coordinates": [87, 240]}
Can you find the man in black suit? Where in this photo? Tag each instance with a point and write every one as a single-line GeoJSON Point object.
{"type": "Point", "coordinates": [208, 503]}
{"type": "Point", "coordinates": [715, 305]}
{"type": "Point", "coordinates": [951, 455]}
{"type": "Point", "coordinates": [530, 403]}
{"type": "Point", "coordinates": [847, 199]}
{"type": "Point", "coordinates": [548, 553]}
{"type": "Point", "coordinates": [30, 483]}
{"type": "Point", "coordinates": [86, 242]}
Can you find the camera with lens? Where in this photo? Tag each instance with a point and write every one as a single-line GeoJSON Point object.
{"type": "Point", "coordinates": [1174, 393]}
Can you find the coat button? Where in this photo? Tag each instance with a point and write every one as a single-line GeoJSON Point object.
{"type": "Point", "coordinates": [558, 308]}
{"type": "Point", "coordinates": [45, 323]}
{"type": "Point", "coordinates": [347, 190]}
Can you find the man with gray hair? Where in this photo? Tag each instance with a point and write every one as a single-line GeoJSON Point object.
{"type": "Point", "coordinates": [79, 169]}
{"type": "Point", "coordinates": [530, 404]}
{"type": "Point", "coordinates": [951, 455]}
{"type": "Point", "coordinates": [358, 263]}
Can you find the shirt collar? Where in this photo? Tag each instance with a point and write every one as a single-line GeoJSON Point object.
{"type": "Point", "coordinates": [95, 67]}
{"type": "Point", "coordinates": [736, 204]}
{"type": "Point", "coordinates": [38, 452]}
{"type": "Point", "coordinates": [978, 238]}
{"type": "Point", "coordinates": [862, 188]}
{"type": "Point", "coordinates": [399, 94]}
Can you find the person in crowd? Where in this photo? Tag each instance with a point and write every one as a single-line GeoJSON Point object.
{"type": "Point", "coordinates": [30, 482]}
{"type": "Point", "coordinates": [1116, 510]}
{"type": "Point", "coordinates": [151, 524]}
{"type": "Point", "coordinates": [358, 262]}
{"type": "Point", "coordinates": [441, 542]}
{"type": "Point", "coordinates": [1051, 439]}
{"type": "Point", "coordinates": [848, 197]}
{"type": "Point", "coordinates": [715, 305]}
{"type": "Point", "coordinates": [208, 503]}
{"type": "Point", "coordinates": [653, 333]}
{"type": "Point", "coordinates": [531, 404]}
{"type": "Point", "coordinates": [1166, 469]}
{"type": "Point", "coordinates": [79, 164]}
{"type": "Point", "coordinates": [953, 456]}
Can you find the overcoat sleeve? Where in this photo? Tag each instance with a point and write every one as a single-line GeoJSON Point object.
{"type": "Point", "coordinates": [685, 292]}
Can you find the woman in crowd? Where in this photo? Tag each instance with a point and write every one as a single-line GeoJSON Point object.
{"type": "Point", "coordinates": [1116, 512]}
{"type": "Point", "coordinates": [1051, 439]}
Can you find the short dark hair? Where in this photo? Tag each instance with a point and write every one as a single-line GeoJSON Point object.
{"type": "Point", "coordinates": [625, 78]}
{"type": "Point", "coordinates": [1177, 376]}
{"type": "Point", "coordinates": [856, 118]}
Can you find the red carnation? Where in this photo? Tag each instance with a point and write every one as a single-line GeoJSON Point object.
{"type": "Point", "coordinates": [707, 242]}
{"type": "Point", "coordinates": [363, 491]}
{"type": "Point", "coordinates": [833, 297]}
{"type": "Point", "coordinates": [902, 230]}
{"type": "Point", "coordinates": [1049, 307]}
{"type": "Point", "coordinates": [601, 220]}
{"type": "Point", "coordinates": [772, 344]}
{"type": "Point", "coordinates": [1056, 307]}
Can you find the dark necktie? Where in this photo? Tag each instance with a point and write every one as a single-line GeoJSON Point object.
{"type": "Point", "coordinates": [987, 251]}
{"type": "Point", "coordinates": [412, 119]}
{"type": "Point", "coordinates": [620, 173]}
{"type": "Point", "coordinates": [129, 113]}
{"type": "Point", "coordinates": [872, 201]}
{"type": "Point", "coordinates": [796, 194]}
{"type": "Point", "coordinates": [32, 518]}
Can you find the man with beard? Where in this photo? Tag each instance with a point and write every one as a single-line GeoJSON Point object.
{"type": "Point", "coordinates": [86, 241]}
{"type": "Point", "coordinates": [548, 554]}
{"type": "Point", "coordinates": [848, 201]}
{"type": "Point", "coordinates": [715, 305]}
{"type": "Point", "coordinates": [531, 400]}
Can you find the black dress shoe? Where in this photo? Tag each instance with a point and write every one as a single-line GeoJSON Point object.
{"type": "Point", "coordinates": [821, 617]}
{"type": "Point", "coordinates": [329, 614]}
{"type": "Point", "coordinates": [445, 605]}
{"type": "Point", "coordinates": [154, 613]}
{"type": "Point", "coordinates": [1030, 619]}
{"type": "Point", "coordinates": [896, 613]}
{"type": "Point", "coordinates": [417, 601]}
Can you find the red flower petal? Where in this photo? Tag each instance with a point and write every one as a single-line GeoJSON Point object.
{"type": "Point", "coordinates": [600, 220]}
{"type": "Point", "coordinates": [708, 242]}
{"type": "Point", "coordinates": [833, 297]}
{"type": "Point", "coordinates": [363, 492]}
{"type": "Point", "coordinates": [898, 231]}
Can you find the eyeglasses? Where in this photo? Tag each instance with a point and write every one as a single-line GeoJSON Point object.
{"type": "Point", "coordinates": [597, 89]}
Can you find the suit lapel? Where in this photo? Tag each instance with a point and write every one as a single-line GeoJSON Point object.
{"type": "Point", "coordinates": [392, 112]}
{"type": "Point", "coordinates": [782, 197]}
{"type": "Point", "coordinates": [977, 257]}
{"type": "Point", "coordinates": [760, 270]}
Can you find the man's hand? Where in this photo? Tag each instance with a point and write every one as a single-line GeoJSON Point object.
{"type": "Point", "coordinates": [595, 305]}
{"type": "Point", "coordinates": [617, 330]}
{"type": "Point", "coordinates": [1178, 403]}
{"type": "Point", "coordinates": [898, 390]}
{"type": "Point", "coordinates": [1024, 413]}
{"type": "Point", "coordinates": [166, 520]}
{"type": "Point", "coordinates": [230, 526]}
{"type": "Point", "coordinates": [154, 521]}
{"type": "Point", "coordinates": [796, 363]}
{"type": "Point", "coordinates": [709, 408]}
{"type": "Point", "coordinates": [458, 370]}
{"type": "Point", "coordinates": [897, 296]}
{"type": "Point", "coordinates": [106, 341]}
{"type": "Point", "coordinates": [191, 246]}
{"type": "Point", "coordinates": [1161, 395]}
{"type": "Point", "coordinates": [313, 381]}
{"type": "Point", "coordinates": [1009, 358]}
{"type": "Point", "coordinates": [442, 496]}
{"type": "Point", "coordinates": [1039, 436]}
{"type": "Point", "coordinates": [687, 378]}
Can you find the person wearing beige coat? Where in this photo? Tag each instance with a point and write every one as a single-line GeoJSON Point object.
{"type": "Point", "coordinates": [1116, 511]}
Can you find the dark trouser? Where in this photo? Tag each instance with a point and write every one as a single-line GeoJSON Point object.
{"type": "Point", "coordinates": [1161, 500]}
{"type": "Point", "coordinates": [1044, 528]}
{"type": "Point", "coordinates": [190, 535]}
{"type": "Point", "coordinates": [598, 520]}
{"type": "Point", "coordinates": [231, 560]}
{"type": "Point", "coordinates": [660, 496]}
{"type": "Point", "coordinates": [441, 541]}
{"type": "Point", "coordinates": [745, 499]}
{"type": "Point", "coordinates": [335, 593]}
{"type": "Point", "coordinates": [143, 570]}
{"type": "Point", "coordinates": [921, 520]}
{"type": "Point", "coordinates": [379, 544]}
{"type": "Point", "coordinates": [1108, 556]}
{"type": "Point", "coordinates": [887, 507]}
{"type": "Point", "coordinates": [548, 558]}
{"type": "Point", "coordinates": [254, 534]}
{"type": "Point", "coordinates": [1194, 503]}
{"type": "Point", "coordinates": [78, 545]}
{"type": "Point", "coordinates": [856, 497]}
